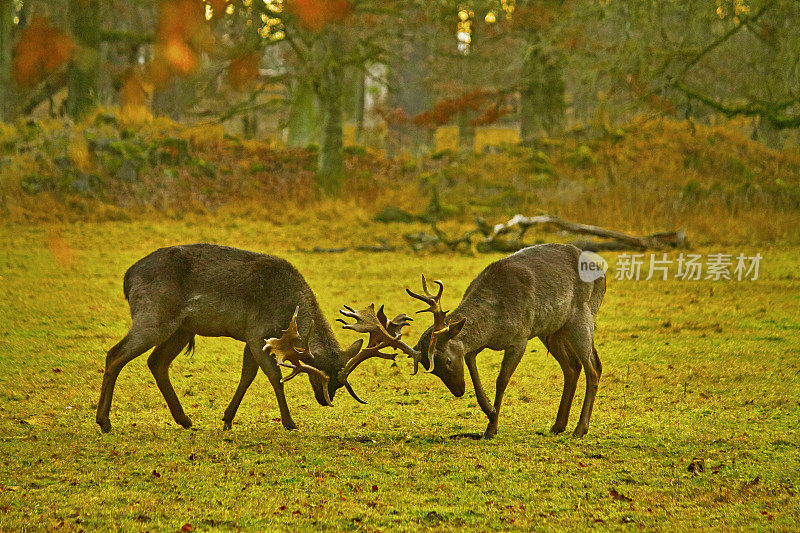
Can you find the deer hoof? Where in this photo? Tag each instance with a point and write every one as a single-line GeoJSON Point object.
{"type": "Point", "coordinates": [105, 425]}
{"type": "Point", "coordinates": [491, 431]}
{"type": "Point", "coordinates": [580, 432]}
{"type": "Point", "coordinates": [226, 425]}
{"type": "Point", "coordinates": [556, 429]}
{"type": "Point", "coordinates": [290, 426]}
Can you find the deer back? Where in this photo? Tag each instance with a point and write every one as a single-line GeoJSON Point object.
{"type": "Point", "coordinates": [535, 290]}
{"type": "Point", "coordinates": [219, 291]}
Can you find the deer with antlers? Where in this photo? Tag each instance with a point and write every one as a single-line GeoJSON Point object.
{"type": "Point", "coordinates": [178, 292]}
{"type": "Point", "coordinates": [535, 292]}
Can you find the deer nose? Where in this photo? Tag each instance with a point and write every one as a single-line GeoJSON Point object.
{"type": "Point", "coordinates": [458, 390]}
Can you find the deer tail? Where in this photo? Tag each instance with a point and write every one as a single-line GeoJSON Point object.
{"type": "Point", "coordinates": [190, 347]}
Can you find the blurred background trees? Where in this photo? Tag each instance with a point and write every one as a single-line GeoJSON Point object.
{"type": "Point", "coordinates": [388, 74]}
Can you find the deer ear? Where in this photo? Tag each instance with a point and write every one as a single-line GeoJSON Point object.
{"type": "Point", "coordinates": [455, 328]}
{"type": "Point", "coordinates": [353, 350]}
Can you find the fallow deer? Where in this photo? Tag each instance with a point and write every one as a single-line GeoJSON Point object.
{"type": "Point", "coordinates": [178, 292]}
{"type": "Point", "coordinates": [535, 292]}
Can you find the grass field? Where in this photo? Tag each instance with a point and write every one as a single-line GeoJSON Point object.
{"type": "Point", "coordinates": [705, 371]}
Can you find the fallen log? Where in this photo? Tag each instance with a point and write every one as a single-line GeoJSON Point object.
{"type": "Point", "coordinates": [619, 240]}
{"type": "Point", "coordinates": [495, 238]}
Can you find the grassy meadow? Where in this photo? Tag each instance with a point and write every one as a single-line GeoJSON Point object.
{"type": "Point", "coordinates": [696, 424]}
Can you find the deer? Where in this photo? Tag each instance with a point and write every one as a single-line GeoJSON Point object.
{"type": "Point", "coordinates": [178, 292]}
{"type": "Point", "coordinates": [534, 292]}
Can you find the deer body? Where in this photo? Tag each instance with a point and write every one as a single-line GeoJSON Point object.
{"type": "Point", "coordinates": [535, 292]}
{"type": "Point", "coordinates": [178, 292]}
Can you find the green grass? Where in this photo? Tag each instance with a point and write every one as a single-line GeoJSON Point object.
{"type": "Point", "coordinates": [692, 370]}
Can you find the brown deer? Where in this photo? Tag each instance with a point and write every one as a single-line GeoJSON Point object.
{"type": "Point", "coordinates": [535, 292]}
{"type": "Point", "coordinates": [178, 292]}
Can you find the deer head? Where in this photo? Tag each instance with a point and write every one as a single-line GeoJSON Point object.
{"type": "Point", "coordinates": [292, 350]}
{"type": "Point", "coordinates": [439, 350]}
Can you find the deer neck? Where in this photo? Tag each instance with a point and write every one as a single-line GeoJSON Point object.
{"type": "Point", "coordinates": [322, 342]}
{"type": "Point", "coordinates": [475, 334]}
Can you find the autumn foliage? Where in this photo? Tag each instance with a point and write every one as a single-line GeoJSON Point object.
{"type": "Point", "coordinates": [444, 110]}
{"type": "Point", "coordinates": [315, 14]}
{"type": "Point", "coordinates": [218, 8]}
{"type": "Point", "coordinates": [41, 50]}
{"type": "Point", "coordinates": [181, 37]}
{"type": "Point", "coordinates": [243, 70]}
{"type": "Point", "coordinates": [135, 88]}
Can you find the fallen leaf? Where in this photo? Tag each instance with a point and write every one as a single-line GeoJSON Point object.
{"type": "Point", "coordinates": [697, 466]}
{"type": "Point", "coordinates": [616, 496]}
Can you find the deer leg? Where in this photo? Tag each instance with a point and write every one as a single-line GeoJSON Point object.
{"type": "Point", "coordinates": [580, 342]}
{"type": "Point", "coordinates": [571, 367]}
{"type": "Point", "coordinates": [159, 362]}
{"type": "Point", "coordinates": [249, 371]}
{"type": "Point", "coordinates": [480, 394]}
{"type": "Point", "coordinates": [511, 359]}
{"type": "Point", "coordinates": [135, 343]}
{"type": "Point", "coordinates": [270, 367]}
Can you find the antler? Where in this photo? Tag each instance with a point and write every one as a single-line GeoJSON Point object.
{"type": "Point", "coordinates": [286, 352]}
{"type": "Point", "coordinates": [434, 302]}
{"type": "Point", "coordinates": [383, 333]}
{"type": "Point", "coordinates": [439, 316]}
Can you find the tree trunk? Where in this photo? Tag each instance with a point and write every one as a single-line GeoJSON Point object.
{"type": "Point", "coordinates": [172, 99]}
{"type": "Point", "coordinates": [303, 123]}
{"type": "Point", "coordinates": [329, 88]}
{"type": "Point", "coordinates": [409, 88]}
{"type": "Point", "coordinates": [330, 160]}
{"type": "Point", "coordinates": [84, 68]}
{"type": "Point", "coordinates": [358, 105]}
{"type": "Point", "coordinates": [6, 31]}
{"type": "Point", "coordinates": [543, 107]}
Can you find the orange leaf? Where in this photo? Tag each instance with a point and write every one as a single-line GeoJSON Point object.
{"type": "Point", "coordinates": [180, 57]}
{"type": "Point", "coordinates": [134, 90]}
{"type": "Point", "coordinates": [218, 7]}
{"type": "Point", "coordinates": [243, 70]}
{"type": "Point", "coordinates": [181, 36]}
{"type": "Point", "coordinates": [60, 250]}
{"type": "Point", "coordinates": [41, 50]}
{"type": "Point", "coordinates": [315, 14]}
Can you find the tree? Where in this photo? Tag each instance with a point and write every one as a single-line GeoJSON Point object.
{"type": "Point", "coordinates": [542, 103]}
{"type": "Point", "coordinates": [322, 42]}
{"type": "Point", "coordinates": [7, 13]}
{"type": "Point", "coordinates": [84, 68]}
{"type": "Point", "coordinates": [330, 163]}
{"type": "Point", "coordinates": [700, 59]}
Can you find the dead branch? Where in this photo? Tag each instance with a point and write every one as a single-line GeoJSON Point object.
{"type": "Point", "coordinates": [656, 241]}
{"type": "Point", "coordinates": [509, 237]}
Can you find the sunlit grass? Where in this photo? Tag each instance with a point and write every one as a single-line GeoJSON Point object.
{"type": "Point", "coordinates": [703, 370]}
